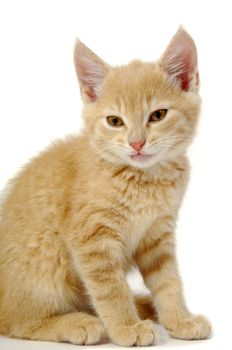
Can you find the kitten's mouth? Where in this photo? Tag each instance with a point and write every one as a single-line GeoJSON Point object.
{"type": "Point", "coordinates": [141, 157]}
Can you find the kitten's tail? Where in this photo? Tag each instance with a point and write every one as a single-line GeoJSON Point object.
{"type": "Point", "coordinates": [145, 307]}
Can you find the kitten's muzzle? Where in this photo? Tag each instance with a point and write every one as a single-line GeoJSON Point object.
{"type": "Point", "coordinates": [138, 145]}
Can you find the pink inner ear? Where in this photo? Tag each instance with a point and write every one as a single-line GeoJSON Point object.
{"type": "Point", "coordinates": [185, 76]}
{"type": "Point", "coordinates": [180, 59]}
{"type": "Point", "coordinates": [86, 82]}
{"type": "Point", "coordinates": [185, 82]}
{"type": "Point", "coordinates": [89, 91]}
{"type": "Point", "coordinates": [185, 68]}
{"type": "Point", "coordinates": [91, 72]}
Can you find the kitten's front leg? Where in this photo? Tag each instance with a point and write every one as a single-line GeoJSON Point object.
{"type": "Point", "coordinates": [157, 262]}
{"type": "Point", "coordinates": [99, 259]}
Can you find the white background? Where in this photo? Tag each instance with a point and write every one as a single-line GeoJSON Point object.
{"type": "Point", "coordinates": [39, 101]}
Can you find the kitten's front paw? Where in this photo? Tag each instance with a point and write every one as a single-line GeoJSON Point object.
{"type": "Point", "coordinates": [193, 327]}
{"type": "Point", "coordinates": [141, 334]}
{"type": "Point", "coordinates": [88, 333]}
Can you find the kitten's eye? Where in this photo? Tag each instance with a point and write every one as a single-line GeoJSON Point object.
{"type": "Point", "coordinates": [114, 121]}
{"type": "Point", "coordinates": [157, 115]}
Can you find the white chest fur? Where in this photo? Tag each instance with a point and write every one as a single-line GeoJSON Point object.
{"type": "Point", "coordinates": [137, 199]}
{"type": "Point", "coordinates": [141, 203]}
{"type": "Point", "coordinates": [136, 227]}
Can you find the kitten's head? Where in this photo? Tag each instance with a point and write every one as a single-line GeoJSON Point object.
{"type": "Point", "coordinates": [141, 113]}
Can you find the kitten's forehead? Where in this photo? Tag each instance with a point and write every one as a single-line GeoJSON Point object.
{"type": "Point", "coordinates": [134, 87]}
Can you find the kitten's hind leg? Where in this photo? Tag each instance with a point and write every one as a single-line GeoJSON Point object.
{"type": "Point", "coordinates": [77, 328]}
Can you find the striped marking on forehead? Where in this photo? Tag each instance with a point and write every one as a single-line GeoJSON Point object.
{"type": "Point", "coordinates": [132, 109]}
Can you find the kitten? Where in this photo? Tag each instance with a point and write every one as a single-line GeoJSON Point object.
{"type": "Point", "coordinates": [89, 208]}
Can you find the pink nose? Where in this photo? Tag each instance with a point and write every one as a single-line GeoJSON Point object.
{"type": "Point", "coordinates": [138, 145]}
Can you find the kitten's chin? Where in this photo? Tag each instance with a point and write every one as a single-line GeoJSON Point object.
{"type": "Point", "coordinates": [143, 161]}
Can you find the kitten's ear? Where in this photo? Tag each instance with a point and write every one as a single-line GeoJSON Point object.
{"type": "Point", "coordinates": [180, 60]}
{"type": "Point", "coordinates": [91, 71]}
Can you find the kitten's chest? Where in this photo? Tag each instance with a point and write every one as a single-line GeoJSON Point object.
{"type": "Point", "coordinates": [139, 204]}
{"type": "Point", "coordinates": [135, 228]}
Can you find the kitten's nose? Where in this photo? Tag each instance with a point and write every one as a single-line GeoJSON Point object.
{"type": "Point", "coordinates": [138, 145]}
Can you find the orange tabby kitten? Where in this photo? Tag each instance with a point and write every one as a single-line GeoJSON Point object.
{"type": "Point", "coordinates": [87, 209]}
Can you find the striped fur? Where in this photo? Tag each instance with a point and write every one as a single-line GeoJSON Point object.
{"type": "Point", "coordinates": [80, 215]}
